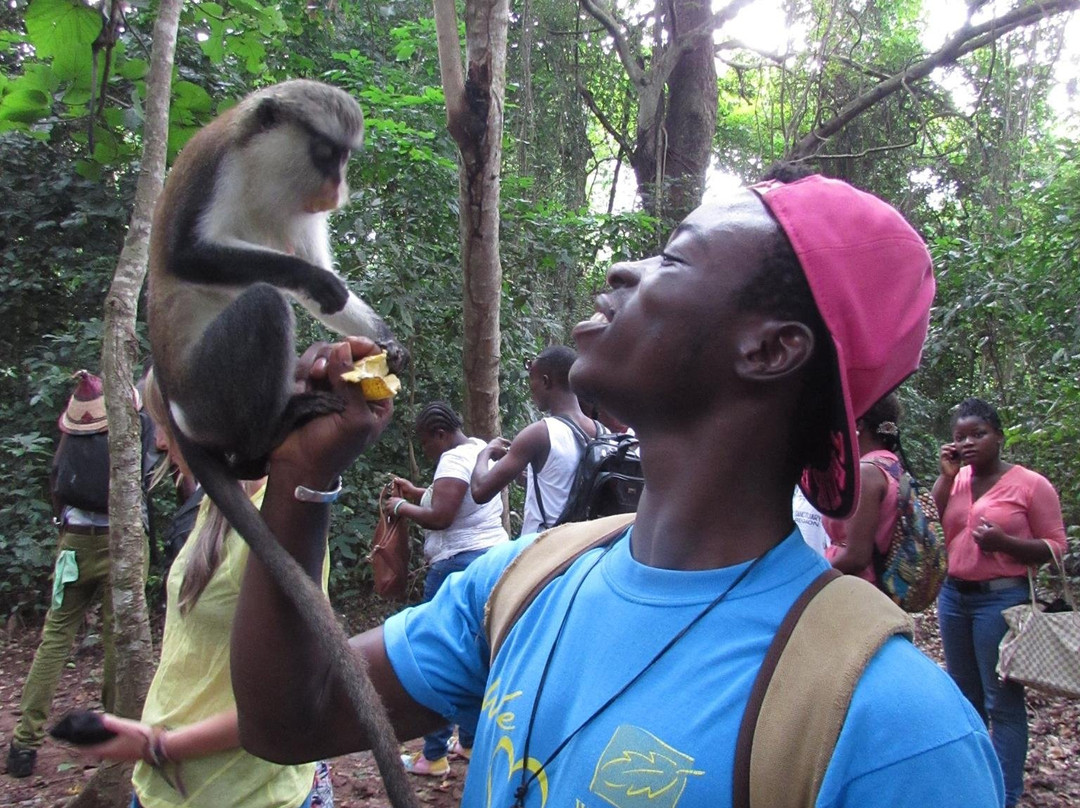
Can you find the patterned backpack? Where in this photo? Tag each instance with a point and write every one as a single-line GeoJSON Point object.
{"type": "Point", "coordinates": [913, 570]}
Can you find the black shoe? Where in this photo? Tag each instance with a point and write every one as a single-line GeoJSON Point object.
{"type": "Point", "coordinates": [20, 761]}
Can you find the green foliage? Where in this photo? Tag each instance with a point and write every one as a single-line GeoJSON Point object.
{"type": "Point", "coordinates": [1007, 328]}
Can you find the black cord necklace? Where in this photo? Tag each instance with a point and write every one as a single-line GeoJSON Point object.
{"type": "Point", "coordinates": [527, 777]}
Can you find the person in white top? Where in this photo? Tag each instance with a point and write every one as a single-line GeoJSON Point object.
{"type": "Point", "coordinates": [457, 531]}
{"type": "Point", "coordinates": [547, 450]}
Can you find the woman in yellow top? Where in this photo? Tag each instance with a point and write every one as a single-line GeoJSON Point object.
{"type": "Point", "coordinates": [187, 744]}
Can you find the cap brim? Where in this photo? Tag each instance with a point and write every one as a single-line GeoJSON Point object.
{"type": "Point", "coordinates": [73, 428]}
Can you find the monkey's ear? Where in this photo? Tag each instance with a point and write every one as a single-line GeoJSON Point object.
{"type": "Point", "coordinates": [267, 114]}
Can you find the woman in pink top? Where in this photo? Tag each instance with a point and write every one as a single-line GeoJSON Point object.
{"type": "Point", "coordinates": [857, 542]}
{"type": "Point", "coordinates": [1000, 519]}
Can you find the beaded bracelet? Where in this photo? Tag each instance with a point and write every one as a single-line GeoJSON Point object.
{"type": "Point", "coordinates": [156, 756]}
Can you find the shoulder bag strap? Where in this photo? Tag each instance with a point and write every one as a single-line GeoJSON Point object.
{"type": "Point", "coordinates": [539, 499]}
{"type": "Point", "coordinates": [579, 433]}
{"type": "Point", "coordinates": [548, 557]}
{"type": "Point", "coordinates": [809, 672]}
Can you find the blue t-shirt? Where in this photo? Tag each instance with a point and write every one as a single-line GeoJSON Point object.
{"type": "Point", "coordinates": [910, 739]}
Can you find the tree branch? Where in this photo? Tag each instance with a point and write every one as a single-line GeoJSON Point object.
{"type": "Point", "coordinates": [684, 42]}
{"type": "Point", "coordinates": [450, 67]}
{"type": "Point", "coordinates": [624, 144]}
{"type": "Point", "coordinates": [969, 38]}
{"type": "Point", "coordinates": [602, 15]}
{"type": "Point", "coordinates": [863, 153]}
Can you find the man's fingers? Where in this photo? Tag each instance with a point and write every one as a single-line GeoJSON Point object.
{"type": "Point", "coordinates": [311, 358]}
{"type": "Point", "coordinates": [361, 347]}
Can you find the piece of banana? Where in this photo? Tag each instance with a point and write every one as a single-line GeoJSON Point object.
{"type": "Point", "coordinates": [376, 380]}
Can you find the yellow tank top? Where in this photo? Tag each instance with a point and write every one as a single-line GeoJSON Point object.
{"type": "Point", "coordinates": [192, 682]}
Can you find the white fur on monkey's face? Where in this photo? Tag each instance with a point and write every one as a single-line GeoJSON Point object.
{"type": "Point", "coordinates": [295, 185]}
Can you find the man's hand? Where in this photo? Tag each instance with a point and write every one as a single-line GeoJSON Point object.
{"type": "Point", "coordinates": [497, 448]}
{"type": "Point", "coordinates": [328, 445]}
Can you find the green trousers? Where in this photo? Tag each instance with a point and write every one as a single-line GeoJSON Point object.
{"type": "Point", "coordinates": [61, 625]}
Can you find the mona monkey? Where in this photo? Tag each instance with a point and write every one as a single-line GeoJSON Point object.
{"type": "Point", "coordinates": [243, 218]}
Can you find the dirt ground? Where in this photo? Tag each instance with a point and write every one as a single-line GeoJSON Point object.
{"type": "Point", "coordinates": [1053, 775]}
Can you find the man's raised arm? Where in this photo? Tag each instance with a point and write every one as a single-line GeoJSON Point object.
{"type": "Point", "coordinates": [290, 706]}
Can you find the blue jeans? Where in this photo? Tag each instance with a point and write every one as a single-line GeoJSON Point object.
{"type": "Point", "coordinates": [971, 629]}
{"type": "Point", "coordinates": [435, 744]}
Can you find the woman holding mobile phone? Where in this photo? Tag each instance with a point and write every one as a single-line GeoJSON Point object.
{"type": "Point", "coordinates": [999, 519]}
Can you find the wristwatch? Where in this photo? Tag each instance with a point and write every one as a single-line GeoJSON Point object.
{"type": "Point", "coordinates": [305, 494]}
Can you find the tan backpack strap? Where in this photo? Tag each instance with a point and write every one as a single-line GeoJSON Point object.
{"type": "Point", "coordinates": [802, 692]}
{"type": "Point", "coordinates": [537, 565]}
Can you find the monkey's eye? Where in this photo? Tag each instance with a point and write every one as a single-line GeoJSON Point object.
{"type": "Point", "coordinates": [322, 151]}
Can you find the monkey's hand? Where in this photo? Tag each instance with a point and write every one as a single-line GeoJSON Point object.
{"type": "Point", "coordinates": [327, 289]}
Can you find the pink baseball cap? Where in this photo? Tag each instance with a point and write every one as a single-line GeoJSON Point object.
{"type": "Point", "coordinates": [873, 283]}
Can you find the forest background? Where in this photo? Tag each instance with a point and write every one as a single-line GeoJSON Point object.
{"type": "Point", "coordinates": [964, 117]}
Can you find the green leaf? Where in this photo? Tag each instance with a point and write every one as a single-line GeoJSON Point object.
{"type": "Point", "coordinates": [191, 97]}
{"type": "Point", "coordinates": [25, 104]}
{"type": "Point", "coordinates": [57, 25]}
{"type": "Point", "coordinates": [62, 31]}
{"type": "Point", "coordinates": [133, 69]}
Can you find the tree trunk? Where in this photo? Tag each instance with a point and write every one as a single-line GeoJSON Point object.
{"type": "Point", "coordinates": [677, 98]}
{"type": "Point", "coordinates": [474, 117]}
{"type": "Point", "coordinates": [110, 786]}
{"type": "Point", "coordinates": [690, 123]}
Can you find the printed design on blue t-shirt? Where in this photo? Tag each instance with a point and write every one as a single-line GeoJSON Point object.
{"type": "Point", "coordinates": [637, 769]}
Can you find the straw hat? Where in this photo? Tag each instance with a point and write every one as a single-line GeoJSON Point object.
{"type": "Point", "coordinates": [85, 412]}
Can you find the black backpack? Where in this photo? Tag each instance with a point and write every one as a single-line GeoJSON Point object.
{"type": "Point", "coordinates": [608, 479]}
{"type": "Point", "coordinates": [81, 472]}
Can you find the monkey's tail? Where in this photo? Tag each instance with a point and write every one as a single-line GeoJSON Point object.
{"type": "Point", "coordinates": [314, 608]}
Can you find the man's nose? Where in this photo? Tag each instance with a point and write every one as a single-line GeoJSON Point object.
{"type": "Point", "coordinates": [626, 273]}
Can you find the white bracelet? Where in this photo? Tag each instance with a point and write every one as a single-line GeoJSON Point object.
{"type": "Point", "coordinates": [305, 494]}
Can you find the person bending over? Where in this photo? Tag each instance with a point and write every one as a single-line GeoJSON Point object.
{"type": "Point", "coordinates": [457, 530]}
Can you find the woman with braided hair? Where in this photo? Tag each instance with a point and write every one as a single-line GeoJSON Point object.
{"type": "Point", "coordinates": [870, 527]}
{"type": "Point", "coordinates": [457, 530]}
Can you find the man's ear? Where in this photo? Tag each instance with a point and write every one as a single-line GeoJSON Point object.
{"type": "Point", "coordinates": [772, 349]}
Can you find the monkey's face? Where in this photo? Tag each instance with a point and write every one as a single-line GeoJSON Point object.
{"type": "Point", "coordinates": [294, 169]}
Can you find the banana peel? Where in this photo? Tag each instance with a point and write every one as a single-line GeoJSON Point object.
{"type": "Point", "coordinates": [374, 376]}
